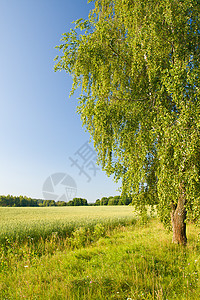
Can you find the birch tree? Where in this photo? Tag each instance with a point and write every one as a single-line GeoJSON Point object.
{"type": "Point", "coordinates": [136, 63]}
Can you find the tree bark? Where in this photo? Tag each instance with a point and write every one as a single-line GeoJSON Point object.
{"type": "Point", "coordinates": [178, 217]}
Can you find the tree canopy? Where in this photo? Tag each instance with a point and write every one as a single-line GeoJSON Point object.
{"type": "Point", "coordinates": [137, 63]}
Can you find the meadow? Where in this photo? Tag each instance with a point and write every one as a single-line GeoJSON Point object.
{"type": "Point", "coordinates": [21, 223]}
{"type": "Point", "coordinates": [94, 253]}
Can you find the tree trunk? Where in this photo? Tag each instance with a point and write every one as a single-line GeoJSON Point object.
{"type": "Point", "coordinates": [178, 217]}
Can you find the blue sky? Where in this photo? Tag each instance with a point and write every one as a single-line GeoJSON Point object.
{"type": "Point", "coordinates": [39, 127]}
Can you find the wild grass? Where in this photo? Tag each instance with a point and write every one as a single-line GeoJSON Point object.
{"type": "Point", "coordinates": [128, 262]}
{"type": "Point", "coordinates": [30, 232]}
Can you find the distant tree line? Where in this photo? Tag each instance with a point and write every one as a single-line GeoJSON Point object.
{"type": "Point", "coordinates": [116, 200]}
{"type": "Point", "coordinates": [18, 201]}
{"type": "Point", "coordinates": [23, 201]}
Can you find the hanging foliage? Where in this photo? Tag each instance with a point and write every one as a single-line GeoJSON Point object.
{"type": "Point", "coordinates": [137, 64]}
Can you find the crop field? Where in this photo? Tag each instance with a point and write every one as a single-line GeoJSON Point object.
{"type": "Point", "coordinates": [94, 253]}
{"type": "Point", "coordinates": [18, 223]}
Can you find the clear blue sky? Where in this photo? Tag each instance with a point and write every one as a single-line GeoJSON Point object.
{"type": "Point", "coordinates": [39, 127]}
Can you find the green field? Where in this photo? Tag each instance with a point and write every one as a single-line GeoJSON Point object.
{"type": "Point", "coordinates": [18, 223]}
{"type": "Point", "coordinates": [96, 253]}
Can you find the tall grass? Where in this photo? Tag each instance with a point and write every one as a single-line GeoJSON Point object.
{"type": "Point", "coordinates": [133, 262]}
{"type": "Point", "coordinates": [98, 261]}
{"type": "Point", "coordinates": [31, 232]}
{"type": "Point", "coordinates": [22, 224]}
